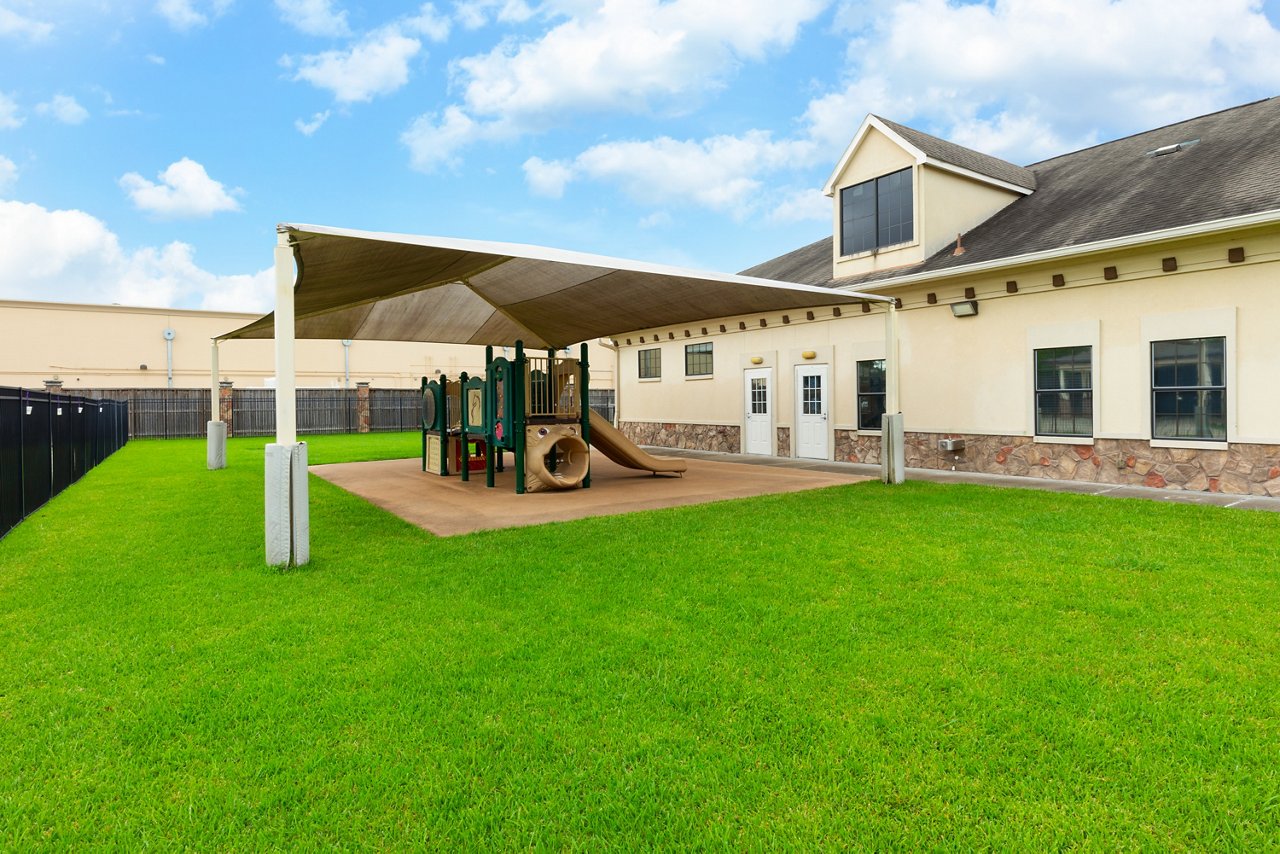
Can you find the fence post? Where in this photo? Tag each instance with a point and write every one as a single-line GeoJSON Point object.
{"type": "Point", "coordinates": [362, 407]}
{"type": "Point", "coordinates": [226, 411]}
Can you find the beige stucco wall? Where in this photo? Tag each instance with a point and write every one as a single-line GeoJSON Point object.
{"type": "Point", "coordinates": [951, 204]}
{"type": "Point", "coordinates": [974, 375]}
{"type": "Point", "coordinates": [94, 346]}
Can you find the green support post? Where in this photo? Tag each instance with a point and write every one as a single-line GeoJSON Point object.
{"type": "Point", "coordinates": [489, 413]}
{"type": "Point", "coordinates": [464, 456]}
{"type": "Point", "coordinates": [442, 418]}
{"type": "Point", "coordinates": [584, 406]}
{"type": "Point", "coordinates": [517, 403]}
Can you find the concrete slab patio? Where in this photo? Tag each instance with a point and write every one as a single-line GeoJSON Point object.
{"type": "Point", "coordinates": [447, 506]}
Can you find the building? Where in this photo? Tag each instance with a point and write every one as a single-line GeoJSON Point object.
{"type": "Point", "coordinates": [112, 347]}
{"type": "Point", "coordinates": [1105, 315]}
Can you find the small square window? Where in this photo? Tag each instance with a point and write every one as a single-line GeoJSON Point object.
{"type": "Point", "coordinates": [697, 360]}
{"type": "Point", "coordinates": [650, 363]}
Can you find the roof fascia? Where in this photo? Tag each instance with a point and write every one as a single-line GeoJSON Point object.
{"type": "Point", "coordinates": [1199, 229]}
{"type": "Point", "coordinates": [868, 123]}
{"type": "Point", "coordinates": [978, 176]}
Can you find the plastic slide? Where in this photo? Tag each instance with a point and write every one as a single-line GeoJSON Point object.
{"type": "Point", "coordinates": [623, 451]}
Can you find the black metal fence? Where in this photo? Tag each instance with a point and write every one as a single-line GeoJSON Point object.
{"type": "Point", "coordinates": [48, 442]}
{"type": "Point", "coordinates": [603, 401]}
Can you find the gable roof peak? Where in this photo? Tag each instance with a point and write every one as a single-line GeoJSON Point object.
{"type": "Point", "coordinates": [930, 149]}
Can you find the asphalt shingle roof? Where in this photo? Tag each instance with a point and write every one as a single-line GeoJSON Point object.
{"type": "Point", "coordinates": [967, 158]}
{"type": "Point", "coordinates": [1116, 189]}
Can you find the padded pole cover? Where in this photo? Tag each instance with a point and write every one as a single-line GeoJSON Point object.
{"type": "Point", "coordinates": [216, 453]}
{"type": "Point", "coordinates": [893, 464]}
{"type": "Point", "coordinates": [288, 518]}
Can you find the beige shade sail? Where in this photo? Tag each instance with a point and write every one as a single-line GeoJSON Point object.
{"type": "Point", "coordinates": [398, 287]}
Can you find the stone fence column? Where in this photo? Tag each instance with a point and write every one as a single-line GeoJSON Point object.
{"type": "Point", "coordinates": [226, 412]}
{"type": "Point", "coordinates": [362, 407]}
{"type": "Point", "coordinates": [53, 386]}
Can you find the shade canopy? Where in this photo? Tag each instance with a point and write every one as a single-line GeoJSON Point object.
{"type": "Point", "coordinates": [401, 287]}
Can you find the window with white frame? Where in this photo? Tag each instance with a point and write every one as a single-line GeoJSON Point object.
{"type": "Point", "coordinates": [877, 213]}
{"type": "Point", "coordinates": [697, 360]}
{"type": "Point", "coordinates": [1189, 389]}
{"type": "Point", "coordinates": [650, 363]}
{"type": "Point", "coordinates": [1064, 391]}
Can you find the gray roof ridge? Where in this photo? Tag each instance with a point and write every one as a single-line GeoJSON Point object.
{"type": "Point", "coordinates": [1139, 133]}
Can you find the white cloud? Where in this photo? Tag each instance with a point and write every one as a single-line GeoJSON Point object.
{"type": "Point", "coordinates": [308, 128]}
{"type": "Point", "coordinates": [802, 205]}
{"type": "Point", "coordinates": [657, 219]}
{"type": "Point", "coordinates": [721, 173]}
{"type": "Point", "coordinates": [69, 255]}
{"type": "Point", "coordinates": [155, 59]}
{"type": "Point", "coordinates": [475, 14]}
{"type": "Point", "coordinates": [20, 26]}
{"type": "Point", "coordinates": [9, 115]}
{"type": "Point", "coordinates": [547, 177]}
{"type": "Point", "coordinates": [63, 108]}
{"type": "Point", "coordinates": [185, 15]}
{"type": "Point", "coordinates": [432, 143]}
{"type": "Point", "coordinates": [429, 23]}
{"type": "Point", "coordinates": [185, 190]}
{"type": "Point", "coordinates": [1024, 79]}
{"type": "Point", "coordinates": [1007, 78]}
{"type": "Point", "coordinates": [314, 17]}
{"type": "Point", "coordinates": [377, 65]}
{"type": "Point", "coordinates": [629, 56]}
{"type": "Point", "coordinates": [8, 173]}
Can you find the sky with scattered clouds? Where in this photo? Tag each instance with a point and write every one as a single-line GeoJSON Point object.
{"type": "Point", "coordinates": [149, 147]}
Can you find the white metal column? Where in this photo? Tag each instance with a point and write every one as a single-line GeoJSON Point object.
{"type": "Point", "coordinates": [216, 450]}
{"type": "Point", "coordinates": [288, 534]}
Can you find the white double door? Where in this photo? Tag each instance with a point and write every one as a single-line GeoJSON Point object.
{"type": "Point", "coordinates": [758, 386]}
{"type": "Point", "coordinates": [812, 429]}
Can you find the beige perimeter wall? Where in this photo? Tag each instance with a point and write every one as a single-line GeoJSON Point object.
{"type": "Point", "coordinates": [94, 346]}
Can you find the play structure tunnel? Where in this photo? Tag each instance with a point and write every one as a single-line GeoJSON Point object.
{"type": "Point", "coordinates": [555, 457]}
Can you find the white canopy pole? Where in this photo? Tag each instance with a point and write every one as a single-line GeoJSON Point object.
{"type": "Point", "coordinates": [286, 382]}
{"type": "Point", "coordinates": [216, 450]}
{"type": "Point", "coordinates": [288, 535]}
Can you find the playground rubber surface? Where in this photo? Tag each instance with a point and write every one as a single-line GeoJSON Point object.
{"type": "Point", "coordinates": [447, 506]}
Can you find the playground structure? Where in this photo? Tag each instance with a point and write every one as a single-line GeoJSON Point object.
{"type": "Point", "coordinates": [537, 408]}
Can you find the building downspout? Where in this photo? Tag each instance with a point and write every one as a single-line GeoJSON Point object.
{"type": "Point", "coordinates": [169, 335]}
{"type": "Point", "coordinates": [892, 433]}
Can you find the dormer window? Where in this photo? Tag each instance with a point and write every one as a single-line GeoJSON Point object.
{"type": "Point", "coordinates": [876, 213]}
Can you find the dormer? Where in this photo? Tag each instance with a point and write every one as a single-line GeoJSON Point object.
{"type": "Point", "coordinates": [901, 195]}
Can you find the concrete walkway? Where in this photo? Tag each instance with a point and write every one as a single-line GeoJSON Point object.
{"type": "Point", "coordinates": [1176, 496]}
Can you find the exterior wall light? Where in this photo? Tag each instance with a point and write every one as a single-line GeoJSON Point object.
{"type": "Point", "coordinates": [809, 354]}
{"type": "Point", "coordinates": [757, 360]}
{"type": "Point", "coordinates": [968, 308]}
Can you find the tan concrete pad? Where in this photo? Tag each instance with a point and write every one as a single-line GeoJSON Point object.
{"type": "Point", "coordinates": [446, 506]}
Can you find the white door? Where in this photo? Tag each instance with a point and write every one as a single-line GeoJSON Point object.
{"type": "Point", "coordinates": [758, 384]}
{"type": "Point", "coordinates": [811, 412]}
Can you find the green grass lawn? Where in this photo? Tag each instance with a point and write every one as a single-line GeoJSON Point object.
{"type": "Point", "coordinates": [922, 666]}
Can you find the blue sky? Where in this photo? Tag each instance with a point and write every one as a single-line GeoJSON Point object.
{"type": "Point", "coordinates": [149, 147]}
